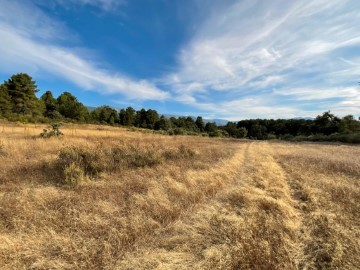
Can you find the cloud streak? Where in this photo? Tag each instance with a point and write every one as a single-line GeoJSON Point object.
{"type": "Point", "coordinates": [104, 5]}
{"type": "Point", "coordinates": [22, 48]}
{"type": "Point", "coordinates": [250, 58]}
{"type": "Point", "coordinates": [283, 51]}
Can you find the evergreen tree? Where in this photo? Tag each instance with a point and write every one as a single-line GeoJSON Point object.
{"type": "Point", "coordinates": [127, 117]}
{"type": "Point", "coordinates": [200, 124]}
{"type": "Point", "coordinates": [50, 105]}
{"type": "Point", "coordinates": [190, 124]}
{"type": "Point", "coordinates": [140, 119]}
{"type": "Point", "coordinates": [210, 127]}
{"type": "Point", "coordinates": [105, 114]}
{"type": "Point", "coordinates": [242, 132]}
{"type": "Point", "coordinates": [163, 124]}
{"type": "Point", "coordinates": [146, 118]}
{"type": "Point", "coordinates": [22, 89]}
{"type": "Point", "coordinates": [231, 129]}
{"type": "Point", "coordinates": [151, 118]}
{"type": "Point", "coordinates": [327, 123]}
{"type": "Point", "coordinates": [349, 124]}
{"type": "Point", "coordinates": [70, 107]}
{"type": "Point", "coordinates": [5, 101]}
{"type": "Point", "coordinates": [258, 132]}
{"type": "Point", "coordinates": [122, 117]}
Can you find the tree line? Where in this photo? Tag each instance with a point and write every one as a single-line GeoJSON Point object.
{"type": "Point", "coordinates": [18, 102]}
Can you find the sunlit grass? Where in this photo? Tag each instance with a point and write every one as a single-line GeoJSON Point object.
{"type": "Point", "coordinates": [147, 201]}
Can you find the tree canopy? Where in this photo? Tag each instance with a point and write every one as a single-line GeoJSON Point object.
{"type": "Point", "coordinates": [22, 89]}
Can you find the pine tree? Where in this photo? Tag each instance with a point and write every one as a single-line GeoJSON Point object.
{"type": "Point", "coordinates": [129, 116]}
{"type": "Point", "coordinates": [50, 105]}
{"type": "Point", "coordinates": [5, 101]}
{"type": "Point", "coordinates": [22, 89]}
{"type": "Point", "coordinates": [200, 124]}
{"type": "Point", "coordinates": [70, 107]}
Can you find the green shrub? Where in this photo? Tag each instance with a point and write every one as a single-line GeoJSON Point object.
{"type": "Point", "coordinates": [73, 175]}
{"type": "Point", "coordinates": [132, 156]}
{"type": "Point", "coordinates": [86, 159]}
{"type": "Point", "coordinates": [287, 137]}
{"type": "Point", "coordinates": [179, 131]}
{"type": "Point", "coordinates": [271, 137]}
{"type": "Point", "coordinates": [54, 132]}
{"type": "Point", "coordinates": [218, 133]}
{"type": "Point", "coordinates": [335, 137]}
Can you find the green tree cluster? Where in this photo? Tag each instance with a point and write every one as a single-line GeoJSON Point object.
{"type": "Point", "coordinates": [18, 101]}
{"type": "Point", "coordinates": [105, 115]}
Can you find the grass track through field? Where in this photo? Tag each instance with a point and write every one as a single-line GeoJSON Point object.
{"type": "Point", "coordinates": [207, 204]}
{"type": "Point", "coordinates": [249, 223]}
{"type": "Point", "coordinates": [328, 205]}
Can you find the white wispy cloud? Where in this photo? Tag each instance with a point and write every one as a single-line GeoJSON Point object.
{"type": "Point", "coordinates": [251, 48]}
{"type": "Point", "coordinates": [247, 107]}
{"type": "Point", "coordinates": [252, 58]}
{"type": "Point", "coordinates": [320, 93]}
{"type": "Point", "coordinates": [22, 48]}
{"type": "Point", "coordinates": [105, 5]}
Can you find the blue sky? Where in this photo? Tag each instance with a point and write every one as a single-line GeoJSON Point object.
{"type": "Point", "coordinates": [219, 59]}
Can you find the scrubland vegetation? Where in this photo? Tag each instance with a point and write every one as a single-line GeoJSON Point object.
{"type": "Point", "coordinates": [103, 197]}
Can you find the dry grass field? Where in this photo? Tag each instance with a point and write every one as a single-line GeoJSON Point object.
{"type": "Point", "coordinates": [108, 198]}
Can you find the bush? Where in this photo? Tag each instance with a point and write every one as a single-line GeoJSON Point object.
{"type": "Point", "coordinates": [75, 163]}
{"type": "Point", "coordinates": [186, 152]}
{"type": "Point", "coordinates": [88, 160]}
{"type": "Point", "coordinates": [132, 156]}
{"type": "Point", "coordinates": [271, 136]}
{"type": "Point", "coordinates": [54, 132]}
{"type": "Point", "coordinates": [3, 152]}
{"type": "Point", "coordinates": [335, 137]}
{"type": "Point", "coordinates": [179, 131]}
{"type": "Point", "coordinates": [73, 175]}
{"type": "Point", "coordinates": [287, 137]}
{"type": "Point", "coordinates": [216, 133]}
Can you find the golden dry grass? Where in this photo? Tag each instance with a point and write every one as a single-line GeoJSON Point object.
{"type": "Point", "coordinates": [228, 204]}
